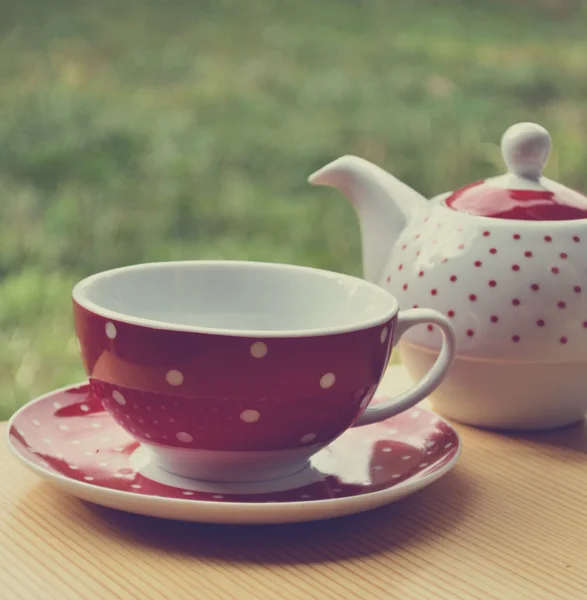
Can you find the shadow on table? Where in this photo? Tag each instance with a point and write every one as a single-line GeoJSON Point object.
{"type": "Point", "coordinates": [573, 437]}
{"type": "Point", "coordinates": [426, 514]}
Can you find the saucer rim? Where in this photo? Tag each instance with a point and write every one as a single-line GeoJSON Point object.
{"type": "Point", "coordinates": [221, 512]}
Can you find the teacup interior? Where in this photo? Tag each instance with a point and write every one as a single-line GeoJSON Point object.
{"type": "Point", "coordinates": [236, 296]}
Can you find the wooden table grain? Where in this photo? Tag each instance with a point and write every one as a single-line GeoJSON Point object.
{"type": "Point", "coordinates": [508, 523]}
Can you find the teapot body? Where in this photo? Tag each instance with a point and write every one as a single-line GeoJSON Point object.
{"type": "Point", "coordinates": [505, 259]}
{"type": "Point", "coordinates": [512, 289]}
{"type": "Point", "coordinates": [516, 293]}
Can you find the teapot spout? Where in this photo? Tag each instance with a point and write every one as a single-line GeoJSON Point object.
{"type": "Point", "coordinates": [383, 203]}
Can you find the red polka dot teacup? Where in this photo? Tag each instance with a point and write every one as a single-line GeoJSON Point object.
{"type": "Point", "coordinates": [240, 371]}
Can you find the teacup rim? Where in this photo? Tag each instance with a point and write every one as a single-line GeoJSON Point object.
{"type": "Point", "coordinates": [79, 297]}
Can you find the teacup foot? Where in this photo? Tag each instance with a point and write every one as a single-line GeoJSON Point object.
{"type": "Point", "coordinates": [230, 466]}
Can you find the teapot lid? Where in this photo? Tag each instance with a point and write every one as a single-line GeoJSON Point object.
{"type": "Point", "coordinates": [523, 193]}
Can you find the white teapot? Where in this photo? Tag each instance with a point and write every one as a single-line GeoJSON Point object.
{"type": "Point", "coordinates": [506, 260]}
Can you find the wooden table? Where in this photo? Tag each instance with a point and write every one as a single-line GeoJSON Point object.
{"type": "Point", "coordinates": [509, 522]}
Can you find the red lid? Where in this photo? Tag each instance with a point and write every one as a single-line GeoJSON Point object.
{"type": "Point", "coordinates": [523, 193]}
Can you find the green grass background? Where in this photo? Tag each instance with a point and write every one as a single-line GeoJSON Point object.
{"type": "Point", "coordinates": [152, 130]}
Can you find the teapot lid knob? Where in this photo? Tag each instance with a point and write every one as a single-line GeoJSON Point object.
{"type": "Point", "coordinates": [525, 148]}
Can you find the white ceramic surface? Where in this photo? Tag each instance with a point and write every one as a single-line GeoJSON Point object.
{"type": "Point", "coordinates": [515, 289]}
{"type": "Point", "coordinates": [505, 395]}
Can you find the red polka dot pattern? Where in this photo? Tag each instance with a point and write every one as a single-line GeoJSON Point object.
{"type": "Point", "coordinates": [86, 446]}
{"type": "Point", "coordinates": [519, 290]}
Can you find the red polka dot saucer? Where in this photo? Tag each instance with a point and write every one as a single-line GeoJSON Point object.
{"type": "Point", "coordinates": [67, 438]}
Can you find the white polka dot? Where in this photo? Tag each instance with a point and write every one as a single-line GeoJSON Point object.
{"type": "Point", "coordinates": [258, 350]}
{"type": "Point", "coordinates": [57, 405]}
{"type": "Point", "coordinates": [386, 449]}
{"type": "Point", "coordinates": [448, 445]}
{"type": "Point", "coordinates": [110, 330]}
{"type": "Point", "coordinates": [103, 464]}
{"type": "Point", "coordinates": [47, 440]}
{"type": "Point", "coordinates": [95, 425]}
{"type": "Point", "coordinates": [395, 476]}
{"type": "Point", "coordinates": [58, 455]}
{"type": "Point", "coordinates": [415, 414]}
{"type": "Point", "coordinates": [309, 437]}
{"type": "Point", "coordinates": [118, 397]}
{"type": "Point", "coordinates": [327, 381]}
{"type": "Point", "coordinates": [118, 475]}
{"type": "Point", "coordinates": [135, 486]}
{"type": "Point", "coordinates": [172, 420]}
{"type": "Point", "coordinates": [186, 493]}
{"type": "Point", "coordinates": [377, 467]}
{"type": "Point", "coordinates": [35, 422]}
{"type": "Point", "coordinates": [174, 377]}
{"type": "Point", "coordinates": [182, 436]}
{"type": "Point", "coordinates": [89, 478]}
{"type": "Point", "coordinates": [73, 467]}
{"type": "Point", "coordinates": [218, 497]}
{"type": "Point", "coordinates": [250, 416]}
{"type": "Point", "coordinates": [406, 457]}
{"type": "Point", "coordinates": [148, 436]}
{"type": "Point", "coordinates": [305, 496]}
{"type": "Point", "coordinates": [383, 335]}
{"type": "Point", "coordinates": [423, 465]}
{"type": "Point", "coordinates": [118, 449]}
{"type": "Point", "coordinates": [337, 490]}
{"type": "Point", "coordinates": [75, 442]}
{"type": "Point", "coordinates": [84, 408]}
{"type": "Point", "coordinates": [392, 431]}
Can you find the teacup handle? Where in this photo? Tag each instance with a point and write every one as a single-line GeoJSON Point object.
{"type": "Point", "coordinates": [432, 379]}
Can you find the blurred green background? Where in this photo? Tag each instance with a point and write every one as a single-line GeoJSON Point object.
{"type": "Point", "coordinates": [138, 131]}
